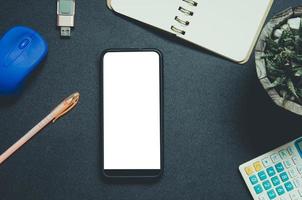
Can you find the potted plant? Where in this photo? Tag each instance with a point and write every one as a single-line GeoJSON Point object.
{"type": "Point", "coordinates": [279, 59]}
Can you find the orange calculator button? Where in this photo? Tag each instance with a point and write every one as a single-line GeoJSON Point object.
{"type": "Point", "coordinates": [258, 166]}
{"type": "Point", "coordinates": [249, 170]}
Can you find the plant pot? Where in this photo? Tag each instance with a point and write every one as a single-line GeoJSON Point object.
{"type": "Point", "coordinates": [276, 21]}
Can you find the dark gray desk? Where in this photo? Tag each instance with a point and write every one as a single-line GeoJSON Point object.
{"type": "Point", "coordinates": [216, 113]}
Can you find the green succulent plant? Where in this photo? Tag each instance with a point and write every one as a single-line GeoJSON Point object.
{"type": "Point", "coordinates": [283, 56]}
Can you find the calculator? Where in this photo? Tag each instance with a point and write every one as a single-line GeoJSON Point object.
{"type": "Point", "coordinates": [277, 174]}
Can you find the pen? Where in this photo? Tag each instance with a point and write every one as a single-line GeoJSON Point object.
{"type": "Point", "coordinates": [64, 107]}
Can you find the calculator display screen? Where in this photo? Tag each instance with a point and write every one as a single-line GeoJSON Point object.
{"type": "Point", "coordinates": [299, 146]}
{"type": "Point", "coordinates": [131, 110]}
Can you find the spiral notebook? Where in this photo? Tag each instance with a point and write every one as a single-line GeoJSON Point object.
{"type": "Point", "coordinates": [229, 28]}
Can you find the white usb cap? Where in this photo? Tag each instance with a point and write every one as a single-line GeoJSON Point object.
{"type": "Point", "coordinates": [65, 12]}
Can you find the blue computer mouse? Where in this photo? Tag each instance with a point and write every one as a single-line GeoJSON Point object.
{"type": "Point", "coordinates": [21, 50]}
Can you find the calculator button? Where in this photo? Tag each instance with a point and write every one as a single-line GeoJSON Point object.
{"type": "Point", "coordinates": [284, 197]}
{"type": "Point", "coordinates": [296, 159]}
{"type": "Point", "coordinates": [267, 185]}
{"type": "Point", "coordinates": [299, 168]}
{"type": "Point", "coordinates": [258, 189]}
{"type": "Point", "coordinates": [253, 179]}
{"type": "Point", "coordinates": [288, 163]}
{"type": "Point", "coordinates": [290, 150]}
{"type": "Point", "coordinates": [263, 197]}
{"type": "Point", "coordinates": [258, 166]}
{"type": "Point", "coordinates": [270, 171]}
{"type": "Point", "coordinates": [275, 158]}
{"type": "Point", "coordinates": [298, 182]}
{"type": "Point", "coordinates": [300, 192]}
{"type": "Point", "coordinates": [267, 162]}
{"type": "Point", "coordinates": [284, 176]}
{"type": "Point", "coordinates": [280, 190]}
{"type": "Point", "coordinates": [262, 176]}
{"type": "Point", "coordinates": [293, 172]}
{"type": "Point", "coordinates": [275, 180]}
{"type": "Point", "coordinates": [294, 195]}
{"type": "Point", "coordinates": [271, 194]}
{"type": "Point", "coordinates": [289, 186]}
{"type": "Point", "coordinates": [249, 170]}
{"type": "Point", "coordinates": [284, 154]}
{"type": "Point", "coordinates": [279, 167]}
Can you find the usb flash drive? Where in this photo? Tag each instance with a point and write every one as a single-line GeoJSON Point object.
{"type": "Point", "coordinates": [65, 19]}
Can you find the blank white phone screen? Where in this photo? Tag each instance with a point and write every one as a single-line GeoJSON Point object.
{"type": "Point", "coordinates": [131, 103]}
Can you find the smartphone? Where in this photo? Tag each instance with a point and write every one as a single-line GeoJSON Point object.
{"type": "Point", "coordinates": [132, 113]}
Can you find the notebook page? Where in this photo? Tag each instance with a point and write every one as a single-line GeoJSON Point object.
{"type": "Point", "coordinates": [158, 13]}
{"type": "Point", "coordinates": [227, 27]}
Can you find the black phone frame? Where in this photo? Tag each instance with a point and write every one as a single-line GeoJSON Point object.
{"type": "Point", "coordinates": [135, 173]}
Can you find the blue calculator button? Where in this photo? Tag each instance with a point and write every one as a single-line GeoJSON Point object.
{"type": "Point", "coordinates": [262, 175]}
{"type": "Point", "coordinates": [267, 185]}
{"type": "Point", "coordinates": [253, 180]}
{"type": "Point", "coordinates": [275, 180]}
{"type": "Point", "coordinates": [284, 176]}
{"type": "Point", "coordinates": [279, 167]}
{"type": "Point", "coordinates": [258, 189]}
{"type": "Point", "coordinates": [289, 186]}
{"type": "Point", "coordinates": [270, 171]}
{"type": "Point", "coordinates": [271, 194]}
{"type": "Point", "coordinates": [280, 190]}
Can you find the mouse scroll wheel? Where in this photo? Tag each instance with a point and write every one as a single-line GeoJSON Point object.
{"type": "Point", "coordinates": [24, 43]}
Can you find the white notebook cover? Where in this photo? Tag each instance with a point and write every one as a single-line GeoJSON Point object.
{"type": "Point", "coordinates": [229, 28]}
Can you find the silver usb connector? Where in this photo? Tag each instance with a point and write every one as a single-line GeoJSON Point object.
{"type": "Point", "coordinates": [65, 19]}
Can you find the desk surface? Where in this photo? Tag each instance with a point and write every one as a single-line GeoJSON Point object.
{"type": "Point", "coordinates": [217, 115]}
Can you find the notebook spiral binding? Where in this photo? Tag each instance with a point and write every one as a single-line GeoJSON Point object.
{"type": "Point", "coordinates": [181, 21]}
